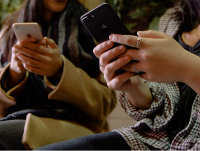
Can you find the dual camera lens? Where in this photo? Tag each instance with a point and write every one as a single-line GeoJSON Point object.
{"type": "Point", "coordinates": [87, 18]}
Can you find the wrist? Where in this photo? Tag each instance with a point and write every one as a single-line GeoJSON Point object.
{"type": "Point", "coordinates": [59, 72]}
{"type": "Point", "coordinates": [55, 79]}
{"type": "Point", "coordinates": [14, 78]}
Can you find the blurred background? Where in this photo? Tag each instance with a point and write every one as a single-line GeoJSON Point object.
{"type": "Point", "coordinates": [136, 14]}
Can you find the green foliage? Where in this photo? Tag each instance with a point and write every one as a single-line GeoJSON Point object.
{"type": "Point", "coordinates": [7, 7]}
{"type": "Point", "coordinates": [140, 14]}
{"type": "Point", "coordinates": [136, 14]}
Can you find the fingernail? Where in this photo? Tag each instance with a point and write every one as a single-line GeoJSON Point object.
{"type": "Point", "coordinates": [43, 42]}
{"type": "Point", "coordinates": [126, 58]}
{"type": "Point", "coordinates": [121, 47]}
{"type": "Point", "coordinates": [17, 46]}
{"type": "Point", "coordinates": [111, 37]}
{"type": "Point", "coordinates": [109, 43]}
{"type": "Point", "coordinates": [140, 33]}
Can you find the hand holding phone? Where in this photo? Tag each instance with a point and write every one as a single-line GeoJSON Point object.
{"type": "Point", "coordinates": [103, 21]}
{"type": "Point", "coordinates": [24, 31]}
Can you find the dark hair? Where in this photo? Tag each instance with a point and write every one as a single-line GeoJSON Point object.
{"type": "Point", "coordinates": [188, 12]}
{"type": "Point", "coordinates": [31, 11]}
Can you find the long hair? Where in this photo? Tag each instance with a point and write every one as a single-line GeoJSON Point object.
{"type": "Point", "coordinates": [188, 12]}
{"type": "Point", "coordinates": [31, 11]}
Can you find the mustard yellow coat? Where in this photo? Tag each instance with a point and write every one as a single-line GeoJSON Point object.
{"type": "Point", "coordinates": [89, 95]}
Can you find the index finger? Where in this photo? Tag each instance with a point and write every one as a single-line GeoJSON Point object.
{"type": "Point", "coordinates": [101, 48]}
{"type": "Point", "coordinates": [33, 46]}
{"type": "Point", "coordinates": [128, 40]}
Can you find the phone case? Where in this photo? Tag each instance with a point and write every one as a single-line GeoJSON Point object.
{"type": "Point", "coordinates": [103, 21]}
{"type": "Point", "coordinates": [24, 31]}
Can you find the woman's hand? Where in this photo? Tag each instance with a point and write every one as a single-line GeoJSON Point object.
{"type": "Point", "coordinates": [38, 59]}
{"type": "Point", "coordinates": [160, 57]}
{"type": "Point", "coordinates": [16, 70]}
{"type": "Point", "coordinates": [111, 63]}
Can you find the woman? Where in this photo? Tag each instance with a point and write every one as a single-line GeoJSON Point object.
{"type": "Point", "coordinates": [167, 108]}
{"type": "Point", "coordinates": [51, 90]}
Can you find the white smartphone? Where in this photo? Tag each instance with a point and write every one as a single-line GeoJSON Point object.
{"type": "Point", "coordinates": [23, 31]}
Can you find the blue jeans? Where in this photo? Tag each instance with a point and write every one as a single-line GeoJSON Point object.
{"type": "Point", "coordinates": [101, 141]}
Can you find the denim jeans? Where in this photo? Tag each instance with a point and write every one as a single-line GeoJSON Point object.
{"type": "Point", "coordinates": [101, 141]}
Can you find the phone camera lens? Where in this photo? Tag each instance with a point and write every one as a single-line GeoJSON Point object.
{"type": "Point", "coordinates": [86, 19]}
{"type": "Point", "coordinates": [16, 27]}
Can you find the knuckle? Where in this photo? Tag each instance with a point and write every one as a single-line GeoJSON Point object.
{"type": "Point", "coordinates": [39, 47]}
{"type": "Point", "coordinates": [55, 52]}
{"type": "Point", "coordinates": [95, 51]}
{"type": "Point", "coordinates": [30, 62]}
{"type": "Point", "coordinates": [117, 81]}
{"type": "Point", "coordinates": [14, 49]}
{"type": "Point", "coordinates": [30, 69]}
{"type": "Point", "coordinates": [51, 40]}
{"type": "Point", "coordinates": [119, 61]}
{"type": "Point", "coordinates": [151, 31]}
{"type": "Point", "coordinates": [51, 52]}
{"type": "Point", "coordinates": [108, 69]}
{"type": "Point", "coordinates": [103, 57]}
{"type": "Point", "coordinates": [101, 46]}
{"type": "Point", "coordinates": [32, 54]}
{"type": "Point", "coordinates": [113, 51]}
{"type": "Point", "coordinates": [101, 69]}
{"type": "Point", "coordinates": [19, 64]}
{"type": "Point", "coordinates": [128, 40]}
{"type": "Point", "coordinates": [146, 56]}
{"type": "Point", "coordinates": [110, 85]}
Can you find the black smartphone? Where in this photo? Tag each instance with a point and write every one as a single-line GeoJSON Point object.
{"type": "Point", "coordinates": [103, 21]}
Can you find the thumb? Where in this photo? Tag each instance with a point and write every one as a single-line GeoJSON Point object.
{"type": "Point", "coordinates": [151, 34]}
{"type": "Point", "coordinates": [50, 43]}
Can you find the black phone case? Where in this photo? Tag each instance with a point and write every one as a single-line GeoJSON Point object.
{"type": "Point", "coordinates": [103, 21]}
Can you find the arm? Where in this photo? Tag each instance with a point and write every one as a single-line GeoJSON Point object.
{"type": "Point", "coordinates": [137, 91]}
{"type": "Point", "coordinates": [144, 98]}
{"type": "Point", "coordinates": [91, 96]}
{"type": "Point", "coordinates": [164, 104]}
{"type": "Point", "coordinates": [162, 59]}
{"type": "Point", "coordinates": [9, 79]}
{"type": "Point", "coordinates": [8, 98]}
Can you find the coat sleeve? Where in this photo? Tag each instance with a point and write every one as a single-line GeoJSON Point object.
{"type": "Point", "coordinates": [90, 95]}
{"type": "Point", "coordinates": [8, 98]}
{"type": "Point", "coordinates": [165, 100]}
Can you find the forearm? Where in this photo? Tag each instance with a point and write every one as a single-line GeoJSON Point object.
{"type": "Point", "coordinates": [140, 96]}
{"type": "Point", "coordinates": [192, 71]}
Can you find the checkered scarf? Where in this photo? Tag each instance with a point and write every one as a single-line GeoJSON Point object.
{"type": "Point", "coordinates": [150, 132]}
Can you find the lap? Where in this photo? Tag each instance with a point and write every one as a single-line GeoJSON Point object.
{"type": "Point", "coordinates": [11, 133]}
{"type": "Point", "coordinates": [101, 141]}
